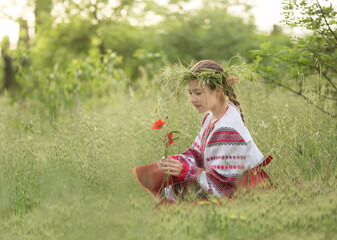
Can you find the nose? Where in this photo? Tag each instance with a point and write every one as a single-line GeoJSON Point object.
{"type": "Point", "coordinates": [193, 98]}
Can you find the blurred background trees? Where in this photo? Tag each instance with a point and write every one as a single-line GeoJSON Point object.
{"type": "Point", "coordinates": [86, 48]}
{"type": "Point", "coordinates": [308, 66]}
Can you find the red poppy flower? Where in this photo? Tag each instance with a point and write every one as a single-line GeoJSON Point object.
{"type": "Point", "coordinates": [158, 125]}
{"type": "Point", "coordinates": [170, 138]}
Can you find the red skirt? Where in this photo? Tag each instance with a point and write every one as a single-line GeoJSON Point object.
{"type": "Point", "coordinates": [153, 180]}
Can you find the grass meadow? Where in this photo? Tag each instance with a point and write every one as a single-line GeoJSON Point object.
{"type": "Point", "coordinates": [71, 178]}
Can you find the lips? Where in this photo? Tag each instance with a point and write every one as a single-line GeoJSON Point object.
{"type": "Point", "coordinates": [197, 106]}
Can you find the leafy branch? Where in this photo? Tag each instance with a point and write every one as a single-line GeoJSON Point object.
{"type": "Point", "coordinates": [326, 22]}
{"type": "Point", "coordinates": [314, 54]}
{"type": "Point", "coordinates": [299, 93]}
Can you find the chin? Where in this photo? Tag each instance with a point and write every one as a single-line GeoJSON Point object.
{"type": "Point", "coordinates": [202, 110]}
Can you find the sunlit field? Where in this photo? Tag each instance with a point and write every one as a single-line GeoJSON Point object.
{"type": "Point", "coordinates": [70, 177]}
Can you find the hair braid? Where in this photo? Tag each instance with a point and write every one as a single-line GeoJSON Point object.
{"type": "Point", "coordinates": [233, 98]}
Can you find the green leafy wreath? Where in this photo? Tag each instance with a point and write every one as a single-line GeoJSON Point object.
{"type": "Point", "coordinates": [177, 76]}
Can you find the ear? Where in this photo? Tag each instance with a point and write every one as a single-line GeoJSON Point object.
{"type": "Point", "coordinates": [220, 90]}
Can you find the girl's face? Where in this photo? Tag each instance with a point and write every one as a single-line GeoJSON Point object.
{"type": "Point", "coordinates": [202, 97]}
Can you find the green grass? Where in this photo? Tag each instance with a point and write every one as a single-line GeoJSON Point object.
{"type": "Point", "coordinates": [70, 178]}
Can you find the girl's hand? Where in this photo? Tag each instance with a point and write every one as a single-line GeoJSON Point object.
{"type": "Point", "coordinates": [170, 166]}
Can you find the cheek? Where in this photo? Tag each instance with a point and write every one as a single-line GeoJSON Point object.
{"type": "Point", "coordinates": [203, 99]}
{"type": "Point", "coordinates": [195, 98]}
{"type": "Point", "coordinates": [213, 102]}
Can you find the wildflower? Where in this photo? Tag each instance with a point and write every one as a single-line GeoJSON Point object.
{"type": "Point", "coordinates": [170, 138]}
{"type": "Point", "coordinates": [158, 125]}
{"type": "Point", "coordinates": [203, 202]}
{"type": "Point", "coordinates": [242, 217]}
{"type": "Point", "coordinates": [232, 216]}
{"type": "Point", "coordinates": [167, 137]}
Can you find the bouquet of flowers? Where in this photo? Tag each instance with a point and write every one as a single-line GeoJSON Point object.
{"type": "Point", "coordinates": [150, 177]}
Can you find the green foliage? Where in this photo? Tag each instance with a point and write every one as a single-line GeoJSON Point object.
{"type": "Point", "coordinates": [77, 29]}
{"type": "Point", "coordinates": [93, 76]}
{"type": "Point", "coordinates": [178, 76]}
{"type": "Point", "coordinates": [308, 66]}
{"type": "Point", "coordinates": [71, 178]}
{"type": "Point", "coordinates": [1, 72]}
{"type": "Point", "coordinates": [127, 40]}
{"type": "Point", "coordinates": [60, 44]}
{"type": "Point", "coordinates": [86, 27]}
{"type": "Point", "coordinates": [42, 12]}
{"type": "Point", "coordinates": [207, 33]}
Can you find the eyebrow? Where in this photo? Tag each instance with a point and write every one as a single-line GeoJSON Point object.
{"type": "Point", "coordinates": [195, 89]}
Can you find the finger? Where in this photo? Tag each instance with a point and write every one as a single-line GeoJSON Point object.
{"type": "Point", "coordinates": [167, 172]}
{"type": "Point", "coordinates": [174, 161]}
{"type": "Point", "coordinates": [164, 164]}
{"type": "Point", "coordinates": [163, 159]}
{"type": "Point", "coordinates": [170, 168]}
{"type": "Point", "coordinates": [169, 159]}
{"type": "Point", "coordinates": [170, 165]}
{"type": "Point", "coordinates": [160, 164]}
{"type": "Point", "coordinates": [172, 173]}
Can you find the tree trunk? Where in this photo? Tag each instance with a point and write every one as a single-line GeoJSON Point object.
{"type": "Point", "coordinates": [101, 48]}
{"type": "Point", "coordinates": [8, 73]}
{"type": "Point", "coordinates": [8, 77]}
{"type": "Point", "coordinates": [24, 34]}
{"type": "Point", "coordinates": [42, 13]}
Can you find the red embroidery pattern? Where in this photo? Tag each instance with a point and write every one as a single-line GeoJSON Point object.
{"type": "Point", "coordinates": [225, 186]}
{"type": "Point", "coordinates": [192, 153]}
{"type": "Point", "coordinates": [227, 167]}
{"type": "Point", "coordinates": [242, 157]}
{"type": "Point", "coordinates": [197, 145]}
{"type": "Point", "coordinates": [226, 136]}
{"type": "Point", "coordinates": [203, 121]}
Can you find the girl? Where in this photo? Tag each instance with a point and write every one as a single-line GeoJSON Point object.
{"type": "Point", "coordinates": [223, 155]}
